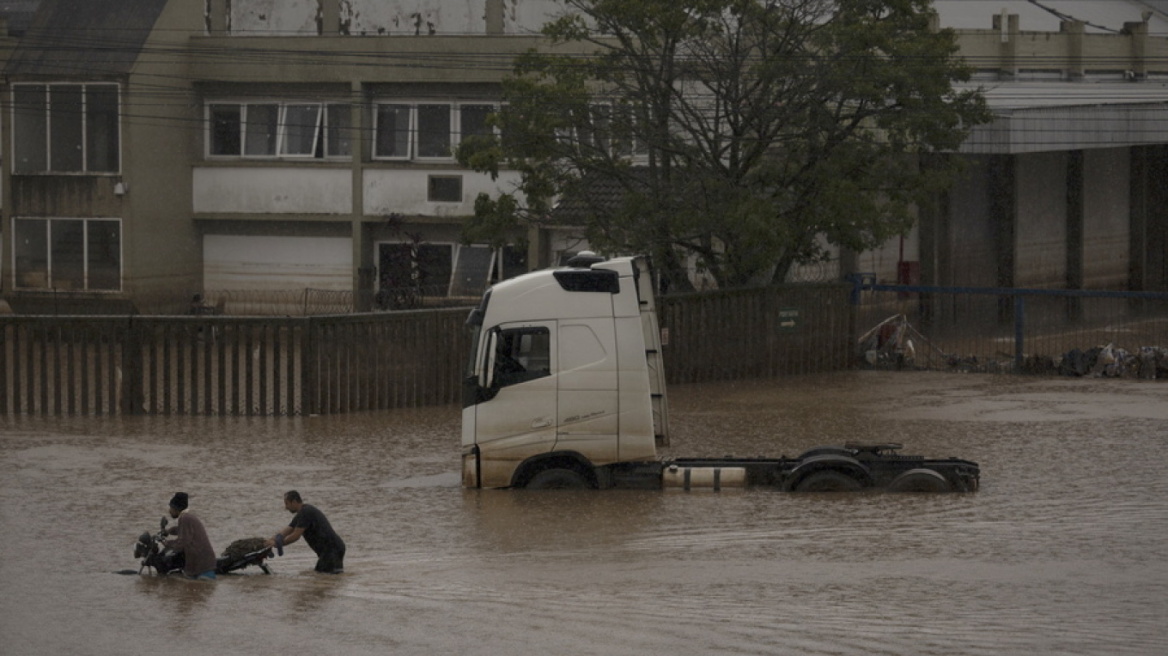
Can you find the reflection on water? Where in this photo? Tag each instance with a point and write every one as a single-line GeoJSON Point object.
{"type": "Point", "coordinates": [1063, 551]}
{"type": "Point", "coordinates": [177, 597]}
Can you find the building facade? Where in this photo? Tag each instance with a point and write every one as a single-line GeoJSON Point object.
{"type": "Point", "coordinates": [1065, 188]}
{"type": "Point", "coordinates": [155, 149]}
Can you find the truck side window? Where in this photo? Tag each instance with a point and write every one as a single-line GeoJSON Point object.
{"type": "Point", "coordinates": [522, 354]}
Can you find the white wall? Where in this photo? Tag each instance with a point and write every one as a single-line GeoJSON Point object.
{"type": "Point", "coordinates": [233, 262]}
{"type": "Point", "coordinates": [311, 190]}
{"type": "Point", "coordinates": [404, 191]}
{"type": "Point", "coordinates": [273, 190]}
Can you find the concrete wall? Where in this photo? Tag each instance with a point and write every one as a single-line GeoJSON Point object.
{"type": "Point", "coordinates": [1040, 237]}
{"type": "Point", "coordinates": [404, 191]}
{"type": "Point", "coordinates": [161, 256]}
{"type": "Point", "coordinates": [1055, 241]}
{"type": "Point", "coordinates": [385, 17]}
{"type": "Point", "coordinates": [301, 190]}
{"type": "Point", "coordinates": [966, 243]}
{"type": "Point", "coordinates": [1107, 219]}
{"type": "Point", "coordinates": [884, 261]}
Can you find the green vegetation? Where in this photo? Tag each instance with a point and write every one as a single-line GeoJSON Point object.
{"type": "Point", "coordinates": [736, 131]}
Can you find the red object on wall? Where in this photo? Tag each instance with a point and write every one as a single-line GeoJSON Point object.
{"type": "Point", "coordinates": [908, 273]}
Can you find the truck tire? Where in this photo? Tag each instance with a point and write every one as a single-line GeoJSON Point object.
{"type": "Point", "coordinates": [557, 479]}
{"type": "Point", "coordinates": [828, 480]}
{"type": "Point", "coordinates": [920, 480]}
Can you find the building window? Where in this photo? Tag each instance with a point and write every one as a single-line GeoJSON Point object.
{"type": "Point", "coordinates": [434, 131]}
{"type": "Point", "coordinates": [301, 130]}
{"type": "Point", "coordinates": [271, 129]}
{"type": "Point", "coordinates": [472, 120]}
{"type": "Point", "coordinates": [393, 132]}
{"type": "Point", "coordinates": [409, 272]}
{"type": "Point", "coordinates": [444, 189]}
{"type": "Point", "coordinates": [68, 254]}
{"type": "Point", "coordinates": [605, 130]}
{"type": "Point", "coordinates": [426, 130]}
{"type": "Point", "coordinates": [65, 128]}
{"type": "Point", "coordinates": [261, 127]}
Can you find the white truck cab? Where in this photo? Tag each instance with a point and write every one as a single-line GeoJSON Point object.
{"type": "Point", "coordinates": [565, 388]}
{"type": "Point", "coordinates": [564, 375]}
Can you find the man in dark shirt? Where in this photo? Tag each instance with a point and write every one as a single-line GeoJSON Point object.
{"type": "Point", "coordinates": [310, 522]}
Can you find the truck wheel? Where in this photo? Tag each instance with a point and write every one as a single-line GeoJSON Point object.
{"type": "Point", "coordinates": [920, 480]}
{"type": "Point", "coordinates": [557, 479]}
{"type": "Point", "coordinates": [828, 480]}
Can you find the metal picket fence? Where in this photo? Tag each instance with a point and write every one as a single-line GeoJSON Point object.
{"type": "Point", "coordinates": [217, 364]}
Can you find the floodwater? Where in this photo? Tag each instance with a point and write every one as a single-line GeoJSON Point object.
{"type": "Point", "coordinates": [1063, 551]}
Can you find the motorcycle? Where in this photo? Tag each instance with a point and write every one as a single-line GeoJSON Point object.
{"type": "Point", "coordinates": [153, 553]}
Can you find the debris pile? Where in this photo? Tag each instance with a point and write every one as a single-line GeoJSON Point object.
{"type": "Point", "coordinates": [1149, 362]}
{"type": "Point", "coordinates": [894, 343]}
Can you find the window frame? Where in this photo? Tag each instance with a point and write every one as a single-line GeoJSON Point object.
{"type": "Point", "coordinates": [90, 266]}
{"type": "Point", "coordinates": [492, 108]}
{"type": "Point", "coordinates": [333, 119]}
{"type": "Point", "coordinates": [464, 272]}
{"type": "Point", "coordinates": [416, 139]}
{"type": "Point", "coordinates": [600, 132]}
{"type": "Point", "coordinates": [91, 119]}
{"type": "Point", "coordinates": [420, 265]}
{"type": "Point", "coordinates": [407, 142]}
{"type": "Point", "coordinates": [426, 139]}
{"type": "Point", "coordinates": [434, 185]}
{"type": "Point", "coordinates": [521, 354]}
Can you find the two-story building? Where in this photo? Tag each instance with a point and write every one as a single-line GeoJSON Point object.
{"type": "Point", "coordinates": [161, 148]}
{"type": "Point", "coordinates": [154, 149]}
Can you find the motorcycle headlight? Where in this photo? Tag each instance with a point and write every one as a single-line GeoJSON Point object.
{"type": "Point", "coordinates": [142, 546]}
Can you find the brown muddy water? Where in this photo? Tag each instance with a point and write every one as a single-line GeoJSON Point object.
{"type": "Point", "coordinates": [1063, 551]}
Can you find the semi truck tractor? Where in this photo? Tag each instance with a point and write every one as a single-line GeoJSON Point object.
{"type": "Point", "coordinates": [565, 388]}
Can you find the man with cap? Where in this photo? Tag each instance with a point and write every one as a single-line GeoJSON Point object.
{"type": "Point", "coordinates": [192, 540]}
{"type": "Point", "coordinates": [310, 522]}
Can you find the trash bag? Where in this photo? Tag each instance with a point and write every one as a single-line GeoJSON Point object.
{"type": "Point", "coordinates": [1074, 363]}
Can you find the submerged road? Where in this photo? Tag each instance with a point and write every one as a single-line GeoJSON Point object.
{"type": "Point", "coordinates": [1063, 551]}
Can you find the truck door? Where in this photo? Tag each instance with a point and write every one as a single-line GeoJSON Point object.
{"type": "Point", "coordinates": [589, 410]}
{"type": "Point", "coordinates": [517, 418]}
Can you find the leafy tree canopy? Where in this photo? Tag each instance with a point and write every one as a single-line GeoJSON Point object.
{"type": "Point", "coordinates": [736, 131]}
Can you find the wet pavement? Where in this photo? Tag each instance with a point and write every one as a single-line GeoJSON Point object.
{"type": "Point", "coordinates": [1063, 551]}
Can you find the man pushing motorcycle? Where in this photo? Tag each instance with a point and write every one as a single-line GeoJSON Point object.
{"type": "Point", "coordinates": [192, 540]}
{"type": "Point", "coordinates": [310, 522]}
